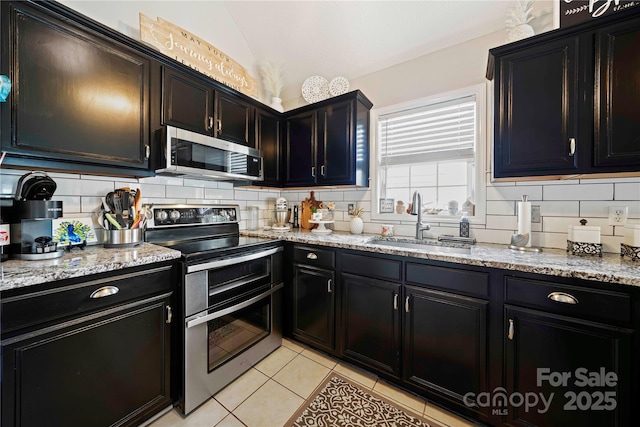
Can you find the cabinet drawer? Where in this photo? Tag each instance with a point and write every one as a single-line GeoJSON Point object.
{"type": "Point", "coordinates": [379, 268]}
{"type": "Point", "coordinates": [75, 299]}
{"type": "Point", "coordinates": [568, 300]}
{"type": "Point", "coordinates": [314, 256]}
{"type": "Point", "coordinates": [451, 279]}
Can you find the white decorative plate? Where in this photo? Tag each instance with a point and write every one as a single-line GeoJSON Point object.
{"type": "Point", "coordinates": [338, 86]}
{"type": "Point", "coordinates": [315, 88]}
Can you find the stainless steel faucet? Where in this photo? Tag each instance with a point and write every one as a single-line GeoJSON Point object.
{"type": "Point", "coordinates": [416, 209]}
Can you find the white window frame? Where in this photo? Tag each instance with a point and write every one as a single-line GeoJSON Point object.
{"type": "Point", "coordinates": [480, 92]}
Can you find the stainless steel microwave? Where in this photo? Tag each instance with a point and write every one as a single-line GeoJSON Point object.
{"type": "Point", "coordinates": [191, 154]}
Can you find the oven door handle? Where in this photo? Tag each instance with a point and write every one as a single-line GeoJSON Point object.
{"type": "Point", "coordinates": [232, 261]}
{"type": "Point", "coordinates": [200, 320]}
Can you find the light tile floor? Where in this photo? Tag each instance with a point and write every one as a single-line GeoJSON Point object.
{"type": "Point", "coordinates": [269, 393]}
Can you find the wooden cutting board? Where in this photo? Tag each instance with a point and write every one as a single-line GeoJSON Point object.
{"type": "Point", "coordinates": [305, 211]}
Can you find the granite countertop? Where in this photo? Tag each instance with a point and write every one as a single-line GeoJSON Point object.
{"type": "Point", "coordinates": [611, 268]}
{"type": "Point", "coordinates": [77, 263]}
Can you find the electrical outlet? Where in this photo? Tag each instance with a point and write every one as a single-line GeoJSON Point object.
{"type": "Point", "coordinates": [618, 215]}
{"type": "Point", "coordinates": [535, 214]}
{"type": "Point", "coordinates": [350, 208]}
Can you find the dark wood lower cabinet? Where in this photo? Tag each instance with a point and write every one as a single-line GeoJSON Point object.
{"type": "Point", "coordinates": [314, 306]}
{"type": "Point", "coordinates": [566, 360]}
{"type": "Point", "coordinates": [445, 343]}
{"type": "Point", "coordinates": [371, 316]}
{"type": "Point", "coordinates": [104, 371]}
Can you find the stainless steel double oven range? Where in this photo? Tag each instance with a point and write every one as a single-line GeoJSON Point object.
{"type": "Point", "coordinates": [230, 294]}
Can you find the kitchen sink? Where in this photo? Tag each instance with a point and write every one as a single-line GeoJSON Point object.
{"type": "Point", "coordinates": [425, 246]}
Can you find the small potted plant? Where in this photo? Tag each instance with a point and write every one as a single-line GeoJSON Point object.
{"type": "Point", "coordinates": [356, 225]}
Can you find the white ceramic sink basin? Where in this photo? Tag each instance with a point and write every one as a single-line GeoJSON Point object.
{"type": "Point", "coordinates": [422, 246]}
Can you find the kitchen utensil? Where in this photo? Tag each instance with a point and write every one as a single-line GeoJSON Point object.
{"type": "Point", "coordinates": [117, 205]}
{"type": "Point", "coordinates": [35, 185]}
{"type": "Point", "coordinates": [109, 217]}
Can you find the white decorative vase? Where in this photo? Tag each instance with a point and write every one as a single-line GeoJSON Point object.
{"type": "Point", "coordinates": [276, 104]}
{"type": "Point", "coordinates": [520, 32]}
{"type": "Point", "coordinates": [356, 225]}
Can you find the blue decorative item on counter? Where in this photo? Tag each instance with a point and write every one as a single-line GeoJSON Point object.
{"type": "Point", "coordinates": [5, 87]}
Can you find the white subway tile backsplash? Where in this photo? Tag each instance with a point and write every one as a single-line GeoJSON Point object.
{"type": "Point", "coordinates": [627, 191]}
{"type": "Point", "coordinates": [579, 192]}
{"type": "Point", "coordinates": [549, 240]}
{"type": "Point", "coordinates": [162, 180]}
{"type": "Point", "coordinates": [218, 194]}
{"type": "Point", "coordinates": [189, 182]}
{"type": "Point", "coordinates": [500, 222]}
{"type": "Point", "coordinates": [501, 207]}
{"type": "Point", "coordinates": [547, 208]}
{"type": "Point", "coordinates": [534, 192]}
{"type": "Point", "coordinates": [601, 209]}
{"type": "Point", "coordinates": [561, 224]}
{"type": "Point", "coordinates": [492, 236]}
{"type": "Point", "coordinates": [70, 204]}
{"type": "Point", "coordinates": [185, 192]}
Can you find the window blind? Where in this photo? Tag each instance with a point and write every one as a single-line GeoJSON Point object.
{"type": "Point", "coordinates": [436, 132]}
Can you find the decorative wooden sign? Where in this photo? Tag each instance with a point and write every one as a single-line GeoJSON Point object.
{"type": "Point", "coordinates": [577, 11]}
{"type": "Point", "coordinates": [196, 53]}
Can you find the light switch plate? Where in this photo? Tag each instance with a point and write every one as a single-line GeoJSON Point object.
{"type": "Point", "coordinates": [618, 215]}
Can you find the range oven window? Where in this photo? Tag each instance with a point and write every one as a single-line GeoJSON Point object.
{"type": "Point", "coordinates": [230, 335]}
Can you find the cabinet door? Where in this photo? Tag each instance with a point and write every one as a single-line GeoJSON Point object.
{"type": "Point", "coordinates": [314, 306]}
{"type": "Point", "coordinates": [268, 139]}
{"type": "Point", "coordinates": [300, 150]}
{"type": "Point", "coordinates": [234, 120]}
{"type": "Point", "coordinates": [336, 151]}
{"type": "Point", "coordinates": [79, 101]}
{"type": "Point", "coordinates": [187, 102]}
{"type": "Point", "coordinates": [372, 322]}
{"type": "Point", "coordinates": [537, 111]}
{"type": "Point", "coordinates": [537, 343]}
{"type": "Point", "coordinates": [98, 371]}
{"type": "Point", "coordinates": [617, 89]}
{"type": "Point", "coordinates": [445, 342]}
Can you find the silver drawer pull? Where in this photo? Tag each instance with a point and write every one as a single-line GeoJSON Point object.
{"type": "Point", "coordinates": [406, 304]}
{"type": "Point", "coordinates": [104, 291]}
{"type": "Point", "coordinates": [395, 301]}
{"type": "Point", "coordinates": [572, 146]}
{"type": "Point", "coordinates": [511, 329]}
{"type": "Point", "coordinates": [562, 297]}
{"type": "Point", "coordinates": [311, 255]}
{"type": "Point", "coordinates": [329, 286]}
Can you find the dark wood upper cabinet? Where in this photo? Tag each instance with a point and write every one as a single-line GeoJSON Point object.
{"type": "Point", "coordinates": [194, 104]}
{"type": "Point", "coordinates": [565, 102]}
{"type": "Point", "coordinates": [235, 119]}
{"type": "Point", "coordinates": [79, 100]}
{"type": "Point", "coordinates": [617, 109]}
{"type": "Point", "coordinates": [268, 141]}
{"type": "Point", "coordinates": [537, 100]}
{"type": "Point", "coordinates": [187, 102]}
{"type": "Point", "coordinates": [327, 143]}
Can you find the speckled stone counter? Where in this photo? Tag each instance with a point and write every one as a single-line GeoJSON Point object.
{"type": "Point", "coordinates": [77, 263]}
{"type": "Point", "coordinates": [611, 268]}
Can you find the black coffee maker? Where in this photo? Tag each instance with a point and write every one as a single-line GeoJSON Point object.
{"type": "Point", "coordinates": [31, 218]}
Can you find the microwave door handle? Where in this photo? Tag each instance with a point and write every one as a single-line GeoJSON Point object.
{"type": "Point", "coordinates": [232, 261]}
{"type": "Point", "coordinates": [200, 320]}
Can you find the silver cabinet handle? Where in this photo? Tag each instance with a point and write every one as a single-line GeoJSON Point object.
{"type": "Point", "coordinates": [311, 255]}
{"type": "Point", "coordinates": [147, 151]}
{"type": "Point", "coordinates": [219, 125]}
{"type": "Point", "coordinates": [511, 329]}
{"type": "Point", "coordinates": [210, 123]}
{"type": "Point", "coordinates": [562, 297]}
{"type": "Point", "coordinates": [406, 304]}
{"type": "Point", "coordinates": [395, 301]}
{"type": "Point", "coordinates": [329, 286]}
{"type": "Point", "coordinates": [169, 314]}
{"type": "Point", "coordinates": [313, 171]}
{"type": "Point", "coordinates": [104, 291]}
{"type": "Point", "coordinates": [322, 170]}
{"type": "Point", "coordinates": [572, 146]}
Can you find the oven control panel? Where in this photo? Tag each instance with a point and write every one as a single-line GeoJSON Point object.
{"type": "Point", "coordinates": [173, 215]}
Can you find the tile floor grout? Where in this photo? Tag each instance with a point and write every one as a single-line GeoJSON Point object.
{"type": "Point", "coordinates": [275, 388]}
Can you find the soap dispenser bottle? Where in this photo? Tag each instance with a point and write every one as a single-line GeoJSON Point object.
{"type": "Point", "coordinates": [464, 225]}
